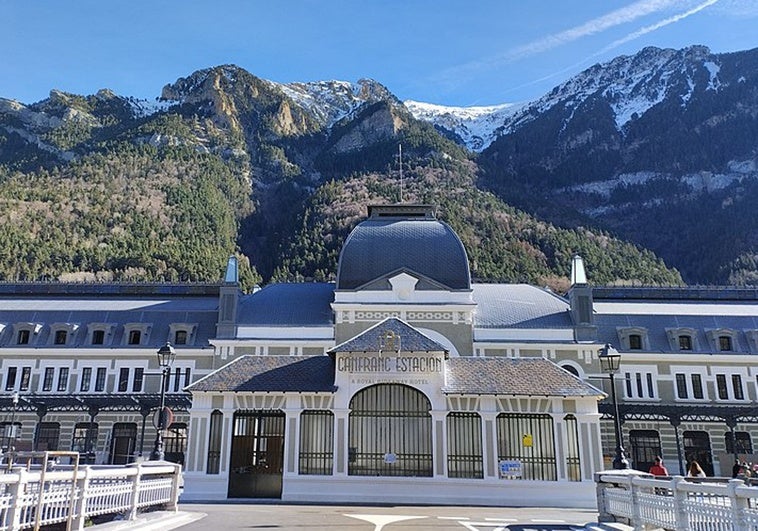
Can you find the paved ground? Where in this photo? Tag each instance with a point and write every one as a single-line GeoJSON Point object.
{"type": "Point", "coordinates": [239, 516]}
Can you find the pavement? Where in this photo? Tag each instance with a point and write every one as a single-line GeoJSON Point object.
{"type": "Point", "coordinates": [241, 516]}
{"type": "Point", "coordinates": [152, 521]}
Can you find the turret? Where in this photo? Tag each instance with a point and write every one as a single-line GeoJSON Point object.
{"type": "Point", "coordinates": [580, 301]}
{"type": "Point", "coordinates": [228, 299]}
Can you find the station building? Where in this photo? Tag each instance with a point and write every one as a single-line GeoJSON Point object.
{"type": "Point", "coordinates": [403, 381]}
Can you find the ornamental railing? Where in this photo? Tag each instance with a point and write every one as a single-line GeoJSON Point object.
{"type": "Point", "coordinates": [42, 492]}
{"type": "Point", "coordinates": [676, 503]}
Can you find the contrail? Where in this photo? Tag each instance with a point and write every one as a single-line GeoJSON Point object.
{"type": "Point", "coordinates": [615, 44]}
{"type": "Point", "coordinates": [647, 29]}
{"type": "Point", "coordinates": [452, 76]}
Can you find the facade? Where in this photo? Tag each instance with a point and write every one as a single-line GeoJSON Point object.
{"type": "Point", "coordinates": [400, 382]}
{"type": "Point", "coordinates": [403, 378]}
{"type": "Point", "coordinates": [81, 361]}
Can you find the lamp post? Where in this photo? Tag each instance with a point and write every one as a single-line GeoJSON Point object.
{"type": "Point", "coordinates": [610, 360]}
{"type": "Point", "coordinates": [166, 355]}
{"type": "Point", "coordinates": [12, 431]}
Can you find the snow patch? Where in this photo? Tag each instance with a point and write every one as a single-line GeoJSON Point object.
{"type": "Point", "coordinates": [476, 126]}
{"type": "Point", "coordinates": [144, 108]}
{"type": "Point", "coordinates": [713, 69]}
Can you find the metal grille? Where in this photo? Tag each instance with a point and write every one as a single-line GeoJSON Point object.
{"type": "Point", "coordinates": [464, 446]}
{"type": "Point", "coordinates": [390, 432]}
{"type": "Point", "coordinates": [528, 438]}
{"type": "Point", "coordinates": [258, 441]}
{"type": "Point", "coordinates": [697, 447]}
{"type": "Point", "coordinates": [175, 442]}
{"type": "Point", "coordinates": [214, 443]}
{"type": "Point", "coordinates": [645, 446]}
{"type": "Point", "coordinates": [573, 462]}
{"type": "Point", "coordinates": [316, 442]}
{"type": "Point", "coordinates": [47, 436]}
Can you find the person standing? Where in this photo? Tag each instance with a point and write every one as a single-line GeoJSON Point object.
{"type": "Point", "coordinates": [658, 469]}
{"type": "Point", "coordinates": [695, 471]}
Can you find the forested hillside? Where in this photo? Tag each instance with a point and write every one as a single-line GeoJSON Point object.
{"type": "Point", "coordinates": [103, 187]}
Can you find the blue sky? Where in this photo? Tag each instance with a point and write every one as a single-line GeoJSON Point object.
{"type": "Point", "coordinates": [450, 52]}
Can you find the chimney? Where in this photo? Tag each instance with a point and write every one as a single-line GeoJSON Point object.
{"type": "Point", "coordinates": [580, 302]}
{"type": "Point", "coordinates": [226, 327]}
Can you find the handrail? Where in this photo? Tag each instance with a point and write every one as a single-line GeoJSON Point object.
{"type": "Point", "coordinates": [31, 498]}
{"type": "Point", "coordinates": [676, 503]}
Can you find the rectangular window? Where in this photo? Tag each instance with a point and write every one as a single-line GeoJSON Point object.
{"type": "Point", "coordinates": [685, 343]}
{"type": "Point", "coordinates": [635, 342]}
{"type": "Point", "coordinates": [177, 379]}
{"type": "Point", "coordinates": [139, 376]}
{"type": "Point", "coordinates": [537, 459]}
{"type": "Point", "coordinates": [650, 386]}
{"type": "Point", "coordinates": [639, 385]}
{"type": "Point", "coordinates": [26, 376]}
{"type": "Point", "coordinates": [681, 386]}
{"type": "Point", "coordinates": [100, 379]}
{"type": "Point", "coordinates": [86, 379]}
{"type": "Point", "coordinates": [737, 387]}
{"type": "Point", "coordinates": [123, 379]}
{"type": "Point", "coordinates": [134, 337]}
{"type": "Point", "coordinates": [60, 337]}
{"type": "Point", "coordinates": [721, 390]}
{"type": "Point", "coordinates": [98, 337]}
{"type": "Point", "coordinates": [187, 376]}
{"type": "Point", "coordinates": [10, 380]}
{"type": "Point", "coordinates": [697, 387]}
{"type": "Point", "coordinates": [47, 382]}
{"type": "Point", "coordinates": [23, 337]}
{"type": "Point", "coordinates": [464, 444]}
{"type": "Point", "coordinates": [180, 337]}
{"type": "Point", "coordinates": [62, 379]}
{"type": "Point", "coordinates": [316, 442]}
{"type": "Point", "coordinates": [725, 343]}
{"type": "Point", "coordinates": [628, 379]}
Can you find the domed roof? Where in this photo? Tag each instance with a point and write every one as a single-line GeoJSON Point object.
{"type": "Point", "coordinates": [398, 238]}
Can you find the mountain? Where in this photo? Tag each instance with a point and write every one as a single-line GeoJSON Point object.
{"type": "Point", "coordinates": [659, 148]}
{"type": "Point", "coordinates": [104, 187]}
{"type": "Point", "coordinates": [474, 127]}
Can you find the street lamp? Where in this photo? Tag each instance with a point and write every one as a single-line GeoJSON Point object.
{"type": "Point", "coordinates": [166, 355]}
{"type": "Point", "coordinates": [610, 360]}
{"type": "Point", "coordinates": [11, 440]}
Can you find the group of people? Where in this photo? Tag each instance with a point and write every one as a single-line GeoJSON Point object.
{"type": "Point", "coordinates": [744, 470]}
{"type": "Point", "coordinates": [694, 470]}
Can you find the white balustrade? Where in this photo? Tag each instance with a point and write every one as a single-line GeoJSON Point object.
{"type": "Point", "coordinates": [676, 504]}
{"type": "Point", "coordinates": [30, 498]}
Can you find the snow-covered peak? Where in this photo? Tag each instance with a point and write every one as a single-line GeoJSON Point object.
{"type": "Point", "coordinates": [632, 84]}
{"type": "Point", "coordinates": [330, 101]}
{"type": "Point", "coordinates": [475, 126]}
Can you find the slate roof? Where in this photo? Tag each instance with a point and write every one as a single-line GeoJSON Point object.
{"type": "Point", "coordinates": [113, 303]}
{"type": "Point", "coordinates": [656, 309]}
{"type": "Point", "coordinates": [411, 340]}
{"type": "Point", "coordinates": [271, 374]}
{"type": "Point", "coordinates": [519, 306]}
{"type": "Point", "coordinates": [379, 246]}
{"type": "Point", "coordinates": [295, 304]}
{"type": "Point", "coordinates": [513, 376]}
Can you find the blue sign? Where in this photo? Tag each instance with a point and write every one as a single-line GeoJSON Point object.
{"type": "Point", "coordinates": [510, 469]}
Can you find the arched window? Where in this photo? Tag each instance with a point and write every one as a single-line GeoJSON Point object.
{"type": "Point", "coordinates": [214, 443]}
{"type": "Point", "coordinates": [573, 461]}
{"type": "Point", "coordinates": [390, 432]}
{"type": "Point", "coordinates": [644, 446]}
{"type": "Point", "coordinates": [741, 445]}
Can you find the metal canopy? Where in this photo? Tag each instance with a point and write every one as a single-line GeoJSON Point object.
{"type": "Point", "coordinates": [43, 403]}
{"type": "Point", "coordinates": [675, 414]}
